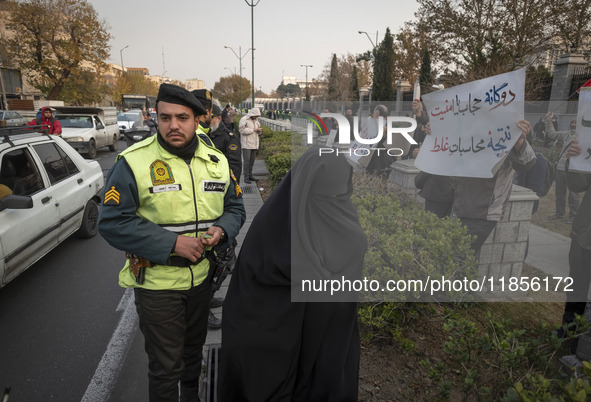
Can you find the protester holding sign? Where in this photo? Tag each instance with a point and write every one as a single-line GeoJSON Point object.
{"type": "Point", "coordinates": [560, 190]}
{"type": "Point", "coordinates": [472, 136]}
{"type": "Point", "coordinates": [480, 203]}
{"type": "Point", "coordinates": [580, 248]}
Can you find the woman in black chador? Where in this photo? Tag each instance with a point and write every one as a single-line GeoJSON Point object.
{"type": "Point", "coordinates": [276, 349]}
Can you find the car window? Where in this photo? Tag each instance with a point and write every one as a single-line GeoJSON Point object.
{"type": "Point", "coordinates": [98, 123]}
{"type": "Point", "coordinates": [55, 162]}
{"type": "Point", "coordinates": [72, 121]}
{"type": "Point", "coordinates": [20, 173]}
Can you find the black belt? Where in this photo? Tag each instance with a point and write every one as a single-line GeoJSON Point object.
{"type": "Point", "coordinates": [182, 262]}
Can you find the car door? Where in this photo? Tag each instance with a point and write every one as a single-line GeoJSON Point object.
{"type": "Point", "coordinates": [67, 183]}
{"type": "Point", "coordinates": [101, 133]}
{"type": "Point", "coordinates": [27, 234]}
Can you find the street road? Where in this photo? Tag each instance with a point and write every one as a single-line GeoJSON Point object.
{"type": "Point", "coordinates": [66, 326]}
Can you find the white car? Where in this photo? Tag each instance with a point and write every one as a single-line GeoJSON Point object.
{"type": "Point", "coordinates": [48, 191]}
{"type": "Point", "coordinates": [12, 118]}
{"type": "Point", "coordinates": [126, 120]}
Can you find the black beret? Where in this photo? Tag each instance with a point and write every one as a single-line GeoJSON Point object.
{"type": "Point", "coordinates": [180, 96]}
{"type": "Point", "coordinates": [202, 95]}
{"type": "Point", "coordinates": [216, 110]}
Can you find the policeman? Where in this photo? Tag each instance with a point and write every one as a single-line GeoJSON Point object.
{"type": "Point", "coordinates": [204, 96]}
{"type": "Point", "coordinates": [203, 130]}
{"type": "Point", "coordinates": [225, 141]}
{"type": "Point", "coordinates": [169, 199]}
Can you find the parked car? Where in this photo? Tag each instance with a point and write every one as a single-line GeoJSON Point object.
{"type": "Point", "coordinates": [12, 118]}
{"type": "Point", "coordinates": [126, 120]}
{"type": "Point", "coordinates": [47, 192]}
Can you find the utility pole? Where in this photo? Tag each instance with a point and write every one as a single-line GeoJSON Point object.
{"type": "Point", "coordinates": [252, 5]}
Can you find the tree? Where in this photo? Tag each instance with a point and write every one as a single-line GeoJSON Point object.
{"type": "Point", "coordinates": [233, 89]}
{"type": "Point", "coordinates": [354, 92]}
{"type": "Point", "coordinates": [383, 70]}
{"type": "Point", "coordinates": [333, 92]}
{"type": "Point", "coordinates": [58, 40]}
{"type": "Point", "coordinates": [425, 78]}
{"type": "Point", "coordinates": [473, 39]}
{"type": "Point", "coordinates": [571, 22]}
{"type": "Point", "coordinates": [83, 87]}
{"type": "Point", "coordinates": [132, 84]}
{"type": "Point", "coordinates": [288, 90]}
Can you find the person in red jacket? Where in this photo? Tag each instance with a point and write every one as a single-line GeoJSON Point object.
{"type": "Point", "coordinates": [47, 118]}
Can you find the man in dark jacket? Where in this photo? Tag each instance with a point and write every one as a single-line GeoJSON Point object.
{"type": "Point", "coordinates": [225, 141]}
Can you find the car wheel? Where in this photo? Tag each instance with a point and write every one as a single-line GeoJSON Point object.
{"type": "Point", "coordinates": [92, 149]}
{"type": "Point", "coordinates": [89, 226]}
{"type": "Point", "coordinates": [115, 145]}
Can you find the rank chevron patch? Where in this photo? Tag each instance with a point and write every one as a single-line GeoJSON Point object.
{"type": "Point", "coordinates": [112, 197]}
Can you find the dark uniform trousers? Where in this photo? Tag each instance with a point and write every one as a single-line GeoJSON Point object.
{"type": "Point", "coordinates": [580, 270]}
{"type": "Point", "coordinates": [174, 324]}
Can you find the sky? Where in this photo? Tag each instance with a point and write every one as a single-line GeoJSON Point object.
{"type": "Point", "coordinates": [185, 39]}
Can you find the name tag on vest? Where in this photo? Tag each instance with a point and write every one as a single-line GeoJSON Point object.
{"type": "Point", "coordinates": [214, 186]}
{"type": "Point", "coordinates": [165, 188]}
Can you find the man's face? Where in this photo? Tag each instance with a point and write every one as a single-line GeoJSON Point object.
{"type": "Point", "coordinates": [177, 124]}
{"type": "Point", "coordinates": [215, 123]}
{"type": "Point", "coordinates": [47, 113]}
{"type": "Point", "coordinates": [573, 126]}
{"type": "Point", "coordinates": [348, 113]}
{"type": "Point", "coordinates": [206, 118]}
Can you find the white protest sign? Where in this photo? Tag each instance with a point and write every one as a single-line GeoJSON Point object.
{"type": "Point", "coordinates": [473, 126]}
{"type": "Point", "coordinates": [582, 162]}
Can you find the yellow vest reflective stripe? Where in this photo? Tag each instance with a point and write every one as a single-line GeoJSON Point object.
{"type": "Point", "coordinates": [184, 199]}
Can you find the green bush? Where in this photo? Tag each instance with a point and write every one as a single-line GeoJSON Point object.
{"type": "Point", "coordinates": [278, 166]}
{"type": "Point", "coordinates": [407, 243]}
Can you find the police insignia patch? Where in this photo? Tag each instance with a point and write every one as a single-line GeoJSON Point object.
{"type": "Point", "coordinates": [161, 173]}
{"type": "Point", "coordinates": [233, 147]}
{"type": "Point", "coordinates": [112, 197]}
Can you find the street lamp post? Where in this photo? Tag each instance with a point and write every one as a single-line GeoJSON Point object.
{"type": "Point", "coordinates": [372, 43]}
{"type": "Point", "coordinates": [307, 93]}
{"type": "Point", "coordinates": [240, 57]}
{"type": "Point", "coordinates": [121, 54]}
{"type": "Point", "coordinates": [252, 5]}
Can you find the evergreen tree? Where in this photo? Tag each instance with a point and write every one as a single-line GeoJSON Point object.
{"type": "Point", "coordinates": [333, 91]}
{"type": "Point", "coordinates": [354, 85]}
{"type": "Point", "coordinates": [383, 70]}
{"type": "Point", "coordinates": [426, 79]}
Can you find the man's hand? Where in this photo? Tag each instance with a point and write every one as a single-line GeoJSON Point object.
{"type": "Point", "coordinates": [212, 236]}
{"type": "Point", "coordinates": [574, 149]}
{"type": "Point", "coordinates": [417, 108]}
{"type": "Point", "coordinates": [189, 247]}
{"type": "Point", "coordinates": [524, 126]}
{"type": "Point", "coordinates": [549, 117]}
{"type": "Point", "coordinates": [427, 128]}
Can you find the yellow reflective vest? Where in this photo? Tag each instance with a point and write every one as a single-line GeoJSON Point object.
{"type": "Point", "coordinates": [184, 199]}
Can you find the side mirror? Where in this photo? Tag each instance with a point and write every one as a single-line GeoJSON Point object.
{"type": "Point", "coordinates": [16, 202]}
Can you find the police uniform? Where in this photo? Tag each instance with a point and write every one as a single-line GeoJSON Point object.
{"type": "Point", "coordinates": [228, 143]}
{"type": "Point", "coordinates": [151, 197]}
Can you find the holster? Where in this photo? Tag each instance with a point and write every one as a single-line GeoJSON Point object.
{"type": "Point", "coordinates": [137, 267]}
